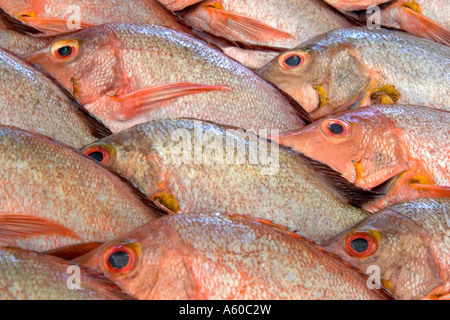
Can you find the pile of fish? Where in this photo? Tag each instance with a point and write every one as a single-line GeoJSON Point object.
{"type": "Point", "coordinates": [224, 149]}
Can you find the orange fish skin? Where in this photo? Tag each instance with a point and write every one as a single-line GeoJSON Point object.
{"type": "Point", "coordinates": [135, 57]}
{"type": "Point", "coordinates": [344, 68]}
{"type": "Point", "coordinates": [91, 13]}
{"type": "Point", "coordinates": [52, 196]}
{"type": "Point", "coordinates": [413, 251]}
{"type": "Point", "coordinates": [34, 102]}
{"type": "Point", "coordinates": [199, 256]}
{"type": "Point", "coordinates": [379, 143]}
{"type": "Point", "coordinates": [280, 186]}
{"type": "Point", "coordinates": [28, 275]}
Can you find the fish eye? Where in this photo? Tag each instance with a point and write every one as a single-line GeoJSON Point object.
{"type": "Point", "coordinates": [120, 258]}
{"type": "Point", "coordinates": [65, 50]}
{"type": "Point", "coordinates": [361, 244]}
{"type": "Point", "coordinates": [293, 60]}
{"type": "Point", "coordinates": [336, 128]}
{"type": "Point", "coordinates": [99, 152]}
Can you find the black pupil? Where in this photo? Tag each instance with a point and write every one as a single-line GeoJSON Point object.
{"type": "Point", "coordinates": [359, 245]}
{"type": "Point", "coordinates": [336, 128]}
{"type": "Point", "coordinates": [97, 155]}
{"type": "Point", "coordinates": [65, 51]}
{"type": "Point", "coordinates": [293, 61]}
{"type": "Point", "coordinates": [119, 259]}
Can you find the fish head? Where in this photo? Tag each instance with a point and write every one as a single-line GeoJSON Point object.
{"type": "Point", "coordinates": [148, 263]}
{"type": "Point", "coordinates": [393, 251]}
{"type": "Point", "coordinates": [84, 62]}
{"type": "Point", "coordinates": [322, 78]}
{"type": "Point", "coordinates": [131, 155]}
{"type": "Point", "coordinates": [360, 144]}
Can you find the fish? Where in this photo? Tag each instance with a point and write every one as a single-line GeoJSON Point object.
{"type": "Point", "coordinates": [52, 17]}
{"type": "Point", "coordinates": [28, 275]}
{"type": "Point", "coordinates": [33, 101]}
{"type": "Point", "coordinates": [190, 165]}
{"type": "Point", "coordinates": [152, 72]}
{"type": "Point", "coordinates": [406, 245]}
{"type": "Point", "coordinates": [422, 18]}
{"type": "Point", "coordinates": [404, 148]}
{"type": "Point", "coordinates": [198, 256]}
{"type": "Point", "coordinates": [51, 195]}
{"type": "Point", "coordinates": [271, 24]}
{"type": "Point", "coordinates": [353, 67]}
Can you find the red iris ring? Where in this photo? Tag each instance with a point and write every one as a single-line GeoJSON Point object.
{"type": "Point", "coordinates": [115, 249]}
{"type": "Point", "coordinates": [283, 58]}
{"type": "Point", "coordinates": [100, 149]}
{"type": "Point", "coordinates": [371, 247]}
{"type": "Point", "coordinates": [327, 130]}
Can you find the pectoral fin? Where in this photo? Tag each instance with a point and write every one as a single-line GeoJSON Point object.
{"type": "Point", "coordinates": [432, 191]}
{"type": "Point", "coordinates": [52, 26]}
{"type": "Point", "coordinates": [422, 26]}
{"type": "Point", "coordinates": [23, 226]}
{"type": "Point", "coordinates": [139, 101]}
{"type": "Point", "coordinates": [239, 27]}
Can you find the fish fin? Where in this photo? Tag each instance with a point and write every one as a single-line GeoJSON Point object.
{"type": "Point", "coordinates": [422, 26]}
{"type": "Point", "coordinates": [352, 193]}
{"type": "Point", "coordinates": [432, 191]}
{"type": "Point", "coordinates": [51, 26]}
{"type": "Point", "coordinates": [23, 226]}
{"type": "Point", "coordinates": [16, 25]}
{"type": "Point", "coordinates": [239, 26]}
{"type": "Point", "coordinates": [133, 103]}
{"type": "Point", "coordinates": [73, 251]}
